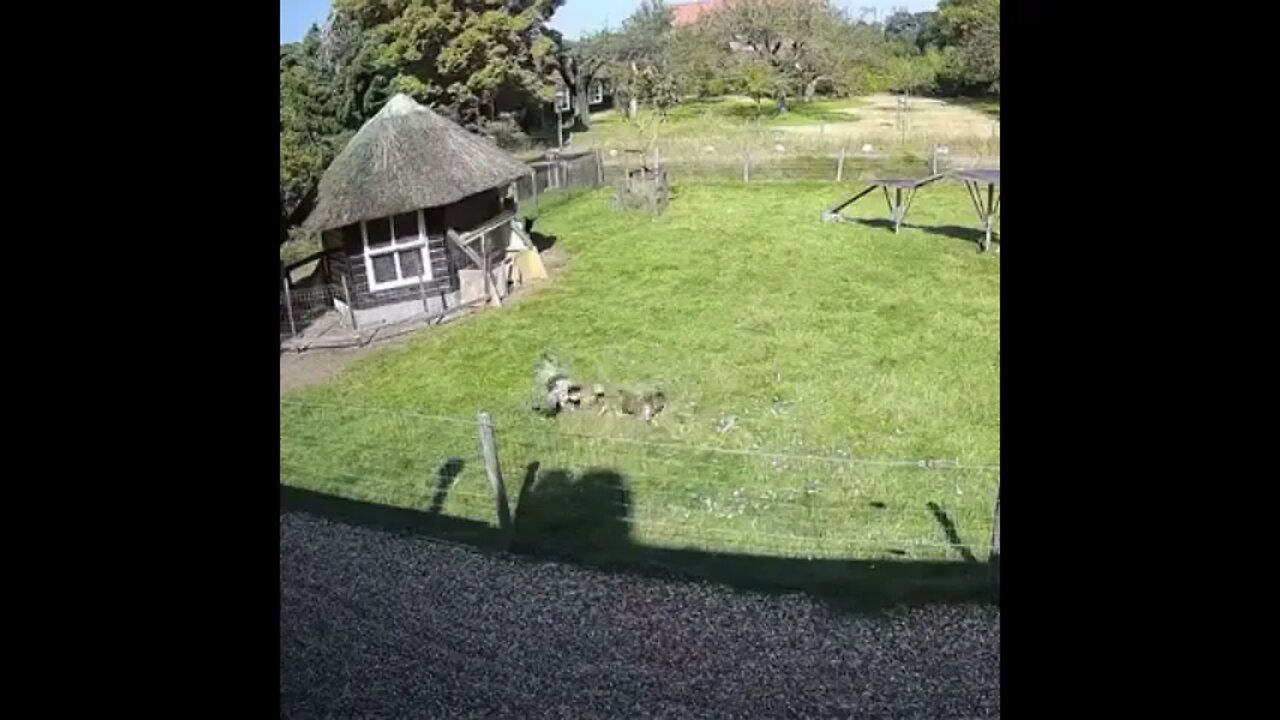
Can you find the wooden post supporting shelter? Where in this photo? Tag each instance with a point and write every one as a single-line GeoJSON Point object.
{"type": "Point", "coordinates": [288, 304]}
{"type": "Point", "coordinates": [351, 311]}
{"type": "Point", "coordinates": [489, 290]}
{"type": "Point", "coordinates": [481, 261]}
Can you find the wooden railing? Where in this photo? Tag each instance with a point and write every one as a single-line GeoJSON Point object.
{"type": "Point", "coordinates": [321, 255]}
{"type": "Point", "coordinates": [483, 260]}
{"type": "Point", "coordinates": [494, 224]}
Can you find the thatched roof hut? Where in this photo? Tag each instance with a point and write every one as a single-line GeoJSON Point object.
{"type": "Point", "coordinates": [389, 204]}
{"type": "Point", "coordinates": [405, 158]}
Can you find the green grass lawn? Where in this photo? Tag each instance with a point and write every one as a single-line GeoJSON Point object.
{"type": "Point", "coordinates": [730, 126]}
{"type": "Point", "coordinates": [709, 116]}
{"type": "Point", "coordinates": [729, 122]}
{"type": "Point", "coordinates": [789, 350]}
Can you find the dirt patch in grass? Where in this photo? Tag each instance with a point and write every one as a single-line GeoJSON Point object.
{"type": "Point", "coordinates": [315, 367]}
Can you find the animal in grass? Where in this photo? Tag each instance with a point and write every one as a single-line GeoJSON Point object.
{"type": "Point", "coordinates": [553, 389]}
{"type": "Point", "coordinates": [644, 403]}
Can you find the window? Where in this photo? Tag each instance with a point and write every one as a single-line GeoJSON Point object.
{"type": "Point", "coordinates": [597, 92]}
{"type": "Point", "coordinates": [563, 102]}
{"type": "Point", "coordinates": [395, 250]}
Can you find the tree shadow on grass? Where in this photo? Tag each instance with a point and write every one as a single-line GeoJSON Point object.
{"type": "Point", "coordinates": [586, 519]}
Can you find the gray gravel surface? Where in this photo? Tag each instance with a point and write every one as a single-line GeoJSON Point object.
{"type": "Point", "coordinates": [382, 625]}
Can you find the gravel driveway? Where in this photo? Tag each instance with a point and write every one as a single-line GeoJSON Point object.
{"type": "Point", "coordinates": [376, 624]}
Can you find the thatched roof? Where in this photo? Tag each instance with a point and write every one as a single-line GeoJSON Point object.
{"type": "Point", "coordinates": [404, 158]}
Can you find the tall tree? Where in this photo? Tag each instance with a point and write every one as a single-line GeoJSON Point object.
{"type": "Point", "coordinates": [621, 56]}
{"type": "Point", "coordinates": [582, 63]}
{"type": "Point", "coordinates": [309, 125]}
{"type": "Point", "coordinates": [698, 62]}
{"type": "Point", "coordinates": [646, 33]}
{"type": "Point", "coordinates": [460, 55]}
{"type": "Point", "coordinates": [902, 26]}
{"type": "Point", "coordinates": [970, 30]}
{"type": "Point", "coordinates": [789, 36]}
{"type": "Point", "coordinates": [759, 80]}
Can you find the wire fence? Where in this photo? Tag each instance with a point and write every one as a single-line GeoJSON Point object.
{"type": "Point", "coordinates": [606, 494]}
{"type": "Point", "coordinates": [555, 174]}
{"type": "Point", "coordinates": [558, 175]}
{"type": "Point", "coordinates": [301, 308]}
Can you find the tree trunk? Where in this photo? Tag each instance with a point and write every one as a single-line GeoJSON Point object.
{"type": "Point", "coordinates": [811, 89]}
{"type": "Point", "coordinates": [582, 108]}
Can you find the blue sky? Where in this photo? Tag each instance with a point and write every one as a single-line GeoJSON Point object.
{"type": "Point", "coordinates": [576, 17]}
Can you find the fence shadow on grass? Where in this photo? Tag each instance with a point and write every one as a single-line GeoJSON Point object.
{"type": "Point", "coordinates": [953, 536]}
{"type": "Point", "coordinates": [445, 477]}
{"type": "Point", "coordinates": [388, 519]}
{"type": "Point", "coordinates": [586, 519]}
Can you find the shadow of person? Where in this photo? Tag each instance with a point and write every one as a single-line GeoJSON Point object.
{"type": "Point", "coordinates": [585, 517]}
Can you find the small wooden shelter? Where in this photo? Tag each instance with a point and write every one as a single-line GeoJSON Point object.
{"type": "Point", "coordinates": [644, 187]}
{"type": "Point", "coordinates": [416, 215]}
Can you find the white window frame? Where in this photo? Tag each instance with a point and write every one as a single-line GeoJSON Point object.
{"type": "Point", "coordinates": [597, 92]}
{"type": "Point", "coordinates": [394, 249]}
{"type": "Point", "coordinates": [564, 102]}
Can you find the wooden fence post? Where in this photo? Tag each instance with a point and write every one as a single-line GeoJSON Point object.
{"type": "Point", "coordinates": [288, 305]}
{"type": "Point", "coordinates": [840, 166]}
{"type": "Point", "coordinates": [599, 168]}
{"type": "Point", "coordinates": [489, 447]}
{"type": "Point", "coordinates": [533, 174]}
{"type": "Point", "coordinates": [346, 293]}
{"type": "Point", "coordinates": [746, 167]}
{"type": "Point", "coordinates": [422, 290]}
{"type": "Point", "coordinates": [993, 557]}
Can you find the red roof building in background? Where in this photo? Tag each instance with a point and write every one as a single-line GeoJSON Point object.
{"type": "Point", "coordinates": [690, 12]}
